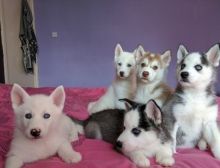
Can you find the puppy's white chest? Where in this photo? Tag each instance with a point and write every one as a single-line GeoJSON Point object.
{"type": "Point", "coordinates": [195, 109]}
{"type": "Point", "coordinates": [144, 93]}
{"type": "Point", "coordinates": [191, 115]}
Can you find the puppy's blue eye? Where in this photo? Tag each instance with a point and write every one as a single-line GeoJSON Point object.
{"type": "Point", "coordinates": [119, 64]}
{"type": "Point", "coordinates": [136, 131]}
{"type": "Point", "coordinates": [28, 115]}
{"type": "Point", "coordinates": [183, 66]}
{"type": "Point", "coordinates": [129, 65]}
{"type": "Point", "coordinates": [46, 115]}
{"type": "Point", "coordinates": [198, 67]}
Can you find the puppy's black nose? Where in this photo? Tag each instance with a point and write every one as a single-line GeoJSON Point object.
{"type": "Point", "coordinates": [35, 132]}
{"type": "Point", "coordinates": [184, 75]}
{"type": "Point", "coordinates": [119, 144]}
{"type": "Point", "coordinates": [121, 73]}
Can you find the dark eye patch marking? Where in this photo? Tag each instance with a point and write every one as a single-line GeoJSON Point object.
{"type": "Point", "coordinates": [144, 123]}
{"type": "Point", "coordinates": [119, 64]}
{"type": "Point", "coordinates": [182, 66]}
{"type": "Point", "coordinates": [198, 67]}
{"type": "Point", "coordinates": [203, 59]}
{"type": "Point", "coordinates": [136, 131]}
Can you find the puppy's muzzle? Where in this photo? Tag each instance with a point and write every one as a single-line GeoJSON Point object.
{"type": "Point", "coordinates": [35, 132]}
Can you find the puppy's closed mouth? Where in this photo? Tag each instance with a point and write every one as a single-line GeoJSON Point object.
{"type": "Point", "coordinates": [184, 80]}
{"type": "Point", "coordinates": [143, 78]}
{"type": "Point", "coordinates": [35, 138]}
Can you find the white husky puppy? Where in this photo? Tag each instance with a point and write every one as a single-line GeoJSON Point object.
{"type": "Point", "coordinates": [193, 106]}
{"type": "Point", "coordinates": [150, 76]}
{"type": "Point", "coordinates": [122, 87]}
{"type": "Point", "coordinates": [41, 128]}
{"type": "Point", "coordinates": [144, 135]}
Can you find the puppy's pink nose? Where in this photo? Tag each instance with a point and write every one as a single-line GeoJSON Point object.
{"type": "Point", "coordinates": [145, 74]}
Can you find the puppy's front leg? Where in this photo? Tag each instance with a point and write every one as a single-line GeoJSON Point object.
{"type": "Point", "coordinates": [211, 134]}
{"type": "Point", "coordinates": [139, 159]}
{"type": "Point", "coordinates": [13, 162]}
{"type": "Point", "coordinates": [173, 135]}
{"type": "Point", "coordinates": [66, 152]}
{"type": "Point", "coordinates": [164, 156]}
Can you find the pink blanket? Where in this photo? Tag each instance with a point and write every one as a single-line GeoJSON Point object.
{"type": "Point", "coordinates": [96, 153]}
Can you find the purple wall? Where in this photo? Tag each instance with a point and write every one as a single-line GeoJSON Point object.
{"type": "Point", "coordinates": [82, 55]}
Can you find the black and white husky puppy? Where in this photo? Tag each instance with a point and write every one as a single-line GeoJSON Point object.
{"type": "Point", "coordinates": [138, 132]}
{"type": "Point", "coordinates": [144, 135]}
{"type": "Point", "coordinates": [193, 108]}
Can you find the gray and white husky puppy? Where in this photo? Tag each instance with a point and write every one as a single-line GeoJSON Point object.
{"type": "Point", "coordinates": [193, 108]}
{"type": "Point", "coordinates": [145, 135]}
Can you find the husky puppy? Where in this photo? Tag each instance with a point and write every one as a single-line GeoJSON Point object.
{"type": "Point", "coordinates": [144, 135]}
{"type": "Point", "coordinates": [193, 108]}
{"type": "Point", "coordinates": [41, 128]}
{"type": "Point", "coordinates": [150, 76]}
{"type": "Point", "coordinates": [122, 87]}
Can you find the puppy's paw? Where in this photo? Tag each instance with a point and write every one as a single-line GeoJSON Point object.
{"type": "Point", "coordinates": [202, 144]}
{"type": "Point", "coordinates": [216, 150]}
{"type": "Point", "coordinates": [90, 106]}
{"type": "Point", "coordinates": [73, 137]}
{"type": "Point", "coordinates": [13, 162]}
{"type": "Point", "coordinates": [74, 157]}
{"type": "Point", "coordinates": [141, 161]}
{"type": "Point", "coordinates": [165, 160]}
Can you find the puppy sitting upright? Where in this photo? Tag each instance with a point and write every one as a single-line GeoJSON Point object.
{"type": "Point", "coordinates": [193, 106]}
{"type": "Point", "coordinates": [122, 87]}
{"type": "Point", "coordinates": [144, 135]}
{"type": "Point", "coordinates": [41, 128]}
{"type": "Point", "coordinates": [150, 76]}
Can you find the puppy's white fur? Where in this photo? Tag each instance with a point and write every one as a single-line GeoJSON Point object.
{"type": "Point", "coordinates": [196, 116]}
{"type": "Point", "coordinates": [152, 86]}
{"type": "Point", "coordinates": [56, 134]}
{"type": "Point", "coordinates": [122, 86]}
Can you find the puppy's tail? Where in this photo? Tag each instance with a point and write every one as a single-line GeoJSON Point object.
{"type": "Point", "coordinates": [89, 128]}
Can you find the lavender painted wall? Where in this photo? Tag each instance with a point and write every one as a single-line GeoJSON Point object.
{"type": "Point", "coordinates": [82, 54]}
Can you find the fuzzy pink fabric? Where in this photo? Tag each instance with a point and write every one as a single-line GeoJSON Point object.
{"type": "Point", "coordinates": [96, 153]}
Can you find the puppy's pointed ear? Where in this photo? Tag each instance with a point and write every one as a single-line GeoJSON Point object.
{"type": "Point", "coordinates": [153, 112]}
{"type": "Point", "coordinates": [118, 50]}
{"type": "Point", "coordinates": [166, 58]}
{"type": "Point", "coordinates": [58, 97]}
{"type": "Point", "coordinates": [128, 103]}
{"type": "Point", "coordinates": [18, 96]}
{"type": "Point", "coordinates": [181, 53]}
{"type": "Point", "coordinates": [213, 55]}
{"type": "Point", "coordinates": [139, 53]}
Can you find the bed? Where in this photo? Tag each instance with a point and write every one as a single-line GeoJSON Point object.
{"type": "Point", "coordinates": [96, 153]}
